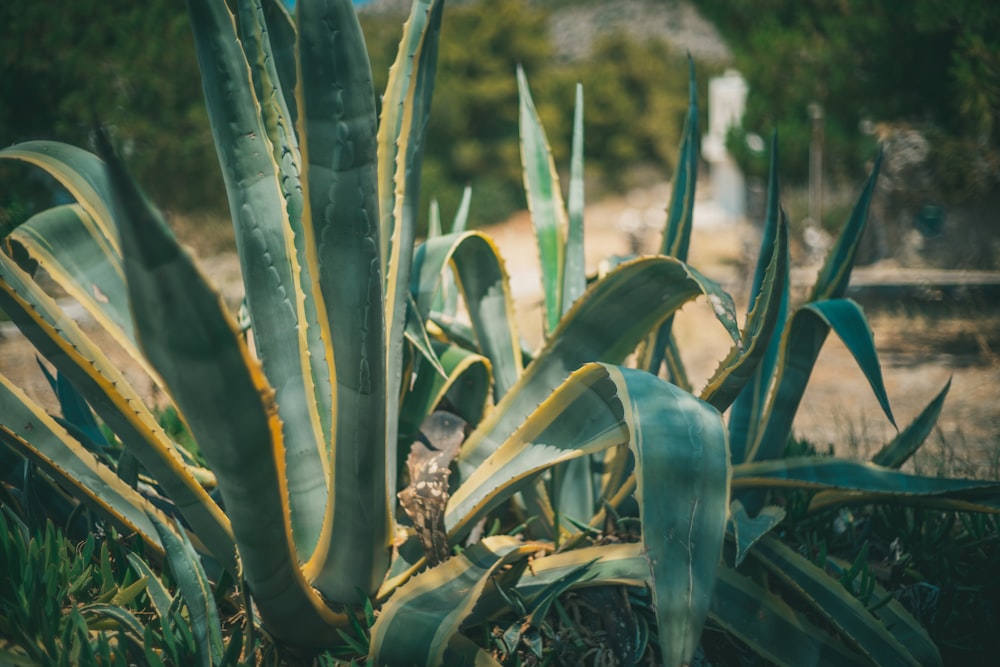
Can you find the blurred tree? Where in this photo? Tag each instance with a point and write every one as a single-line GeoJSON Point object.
{"type": "Point", "coordinates": [66, 65]}
{"type": "Point", "coordinates": [930, 63]}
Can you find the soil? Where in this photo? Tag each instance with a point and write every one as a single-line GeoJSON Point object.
{"type": "Point", "coordinates": [919, 351]}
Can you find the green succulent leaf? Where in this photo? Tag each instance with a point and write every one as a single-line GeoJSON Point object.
{"type": "Point", "coordinates": [337, 124]}
{"type": "Point", "coordinates": [62, 240]}
{"type": "Point", "coordinates": [405, 110]}
{"type": "Point", "coordinates": [803, 339]}
{"type": "Point", "coordinates": [197, 592]}
{"type": "Point", "coordinates": [107, 390]}
{"type": "Point", "coordinates": [188, 335]}
{"type": "Point", "coordinates": [82, 174]}
{"type": "Point", "coordinates": [575, 269]}
{"type": "Point", "coordinates": [899, 621]}
{"type": "Point", "coordinates": [827, 597]}
{"type": "Point", "coordinates": [748, 408]}
{"type": "Point", "coordinates": [676, 238]}
{"type": "Point", "coordinates": [275, 295]}
{"type": "Point", "coordinates": [746, 530]}
{"type": "Point", "coordinates": [485, 288]}
{"type": "Point", "coordinates": [465, 384]}
{"type": "Point", "coordinates": [897, 452]}
{"type": "Point", "coordinates": [740, 366]}
{"type": "Point", "coordinates": [678, 442]}
{"type": "Point", "coordinates": [548, 213]}
{"type": "Point", "coordinates": [419, 621]}
{"type": "Point", "coordinates": [858, 482]}
{"type": "Point", "coordinates": [772, 629]}
{"type": "Point", "coordinates": [604, 325]}
{"type": "Point", "coordinates": [28, 430]}
{"type": "Point", "coordinates": [835, 274]}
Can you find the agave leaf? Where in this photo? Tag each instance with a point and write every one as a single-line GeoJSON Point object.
{"type": "Point", "coordinates": [748, 407]}
{"type": "Point", "coordinates": [604, 325]}
{"type": "Point", "coordinates": [275, 297]}
{"type": "Point", "coordinates": [84, 364]}
{"type": "Point", "coordinates": [421, 618]}
{"type": "Point", "coordinates": [197, 592]}
{"type": "Point", "coordinates": [677, 233]}
{"type": "Point", "coordinates": [28, 430]}
{"type": "Point", "coordinates": [158, 594]}
{"type": "Point", "coordinates": [746, 530]}
{"type": "Point", "coordinates": [894, 454]}
{"type": "Point", "coordinates": [465, 383]}
{"type": "Point", "coordinates": [548, 213]}
{"type": "Point", "coordinates": [405, 110]}
{"type": "Point", "coordinates": [75, 410]}
{"type": "Point", "coordinates": [620, 564]}
{"type": "Point", "coordinates": [337, 122]}
{"type": "Point", "coordinates": [278, 122]}
{"type": "Point", "coordinates": [449, 301]}
{"type": "Point", "coordinates": [461, 220]}
{"type": "Point", "coordinates": [803, 339]}
{"type": "Point", "coordinates": [417, 336]}
{"type": "Point", "coordinates": [82, 174]}
{"type": "Point", "coordinates": [771, 628]}
{"type": "Point", "coordinates": [483, 282]}
{"type": "Point", "coordinates": [828, 598]}
{"type": "Point", "coordinates": [192, 340]}
{"type": "Point", "coordinates": [740, 366]}
{"type": "Point", "coordinates": [575, 270]}
{"type": "Point", "coordinates": [679, 443]}
{"type": "Point", "coordinates": [463, 651]}
{"type": "Point", "coordinates": [62, 241]}
{"type": "Point", "coordinates": [835, 274]}
{"type": "Point", "coordinates": [573, 489]}
{"type": "Point", "coordinates": [281, 34]}
{"type": "Point", "coordinates": [865, 482]}
{"type": "Point", "coordinates": [899, 622]}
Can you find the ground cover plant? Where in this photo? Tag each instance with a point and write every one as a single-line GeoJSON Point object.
{"type": "Point", "coordinates": [373, 459]}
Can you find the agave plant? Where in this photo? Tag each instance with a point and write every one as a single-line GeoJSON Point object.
{"type": "Point", "coordinates": [299, 430]}
{"type": "Point", "coordinates": [356, 345]}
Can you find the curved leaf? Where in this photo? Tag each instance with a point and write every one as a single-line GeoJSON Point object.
{"type": "Point", "coordinates": [82, 174]}
{"type": "Point", "coordinates": [740, 366]}
{"type": "Point", "coordinates": [894, 454]}
{"type": "Point", "coordinates": [746, 531]}
{"type": "Point", "coordinates": [771, 628]}
{"type": "Point", "coordinates": [835, 274]}
{"type": "Point", "coordinates": [196, 591]}
{"type": "Point", "coordinates": [483, 281]}
{"type": "Point", "coordinates": [679, 444]}
{"type": "Point", "coordinates": [866, 482]}
{"type": "Point", "coordinates": [604, 325]}
{"type": "Point", "coordinates": [63, 343]}
{"type": "Point", "coordinates": [832, 601]}
{"type": "Point", "coordinates": [800, 347]}
{"type": "Point", "coordinates": [417, 623]}
{"type": "Point", "coordinates": [466, 384]}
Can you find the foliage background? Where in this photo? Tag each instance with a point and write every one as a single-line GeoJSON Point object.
{"type": "Point", "coordinates": [872, 65]}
